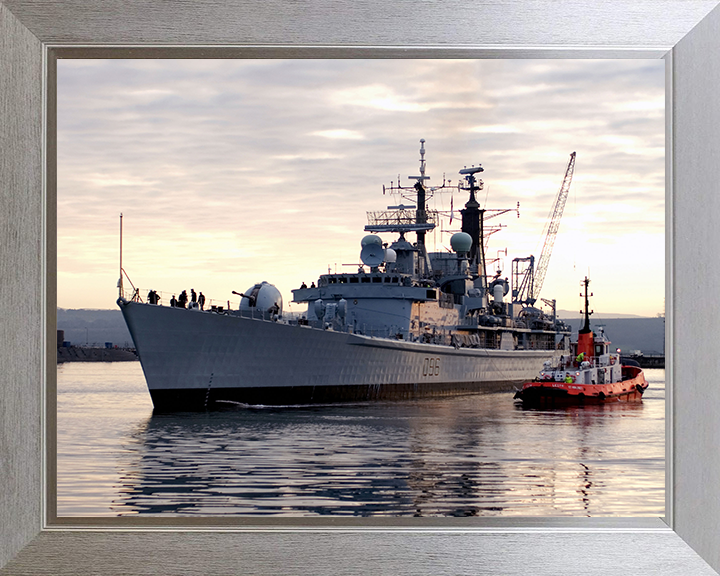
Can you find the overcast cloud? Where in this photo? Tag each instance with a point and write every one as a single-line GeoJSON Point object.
{"type": "Point", "coordinates": [230, 172]}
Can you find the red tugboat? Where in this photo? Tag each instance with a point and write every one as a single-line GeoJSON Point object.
{"type": "Point", "coordinates": [590, 374]}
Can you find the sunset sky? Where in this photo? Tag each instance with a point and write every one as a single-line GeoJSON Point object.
{"type": "Point", "coordinates": [230, 172]}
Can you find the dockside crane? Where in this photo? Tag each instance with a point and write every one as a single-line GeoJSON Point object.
{"type": "Point", "coordinates": [527, 279]}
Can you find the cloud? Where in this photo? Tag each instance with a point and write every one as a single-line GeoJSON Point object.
{"type": "Point", "coordinates": [231, 171]}
{"type": "Point", "coordinates": [339, 134]}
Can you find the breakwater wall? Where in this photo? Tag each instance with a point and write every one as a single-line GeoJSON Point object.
{"type": "Point", "coordinates": [653, 361]}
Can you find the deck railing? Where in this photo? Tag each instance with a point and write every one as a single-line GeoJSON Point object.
{"type": "Point", "coordinates": [141, 295]}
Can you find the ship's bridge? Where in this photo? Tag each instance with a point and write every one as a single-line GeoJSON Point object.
{"type": "Point", "coordinates": [377, 303]}
{"type": "Point", "coordinates": [372, 285]}
{"type": "Point", "coordinates": [363, 278]}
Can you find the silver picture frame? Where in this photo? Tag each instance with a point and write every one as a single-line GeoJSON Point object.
{"type": "Point", "coordinates": [34, 35]}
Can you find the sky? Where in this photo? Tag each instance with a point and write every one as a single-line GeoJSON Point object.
{"type": "Point", "coordinates": [231, 172]}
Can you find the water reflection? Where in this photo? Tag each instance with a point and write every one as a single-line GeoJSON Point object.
{"type": "Point", "coordinates": [470, 456]}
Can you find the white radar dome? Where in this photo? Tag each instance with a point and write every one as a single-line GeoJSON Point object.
{"type": "Point", "coordinates": [264, 297]}
{"type": "Point", "coordinates": [390, 255]}
{"type": "Point", "coordinates": [461, 242]}
{"type": "Point", "coordinates": [371, 239]}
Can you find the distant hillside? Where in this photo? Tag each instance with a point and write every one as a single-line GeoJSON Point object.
{"type": "Point", "coordinates": [100, 326]}
{"type": "Point", "coordinates": [596, 315]}
{"type": "Point", "coordinates": [93, 327]}
{"type": "Point", "coordinates": [633, 333]}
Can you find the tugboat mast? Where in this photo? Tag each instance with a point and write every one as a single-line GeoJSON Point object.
{"type": "Point", "coordinates": [586, 340]}
{"type": "Point", "coordinates": [586, 327]}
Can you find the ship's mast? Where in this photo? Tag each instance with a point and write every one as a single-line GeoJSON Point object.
{"type": "Point", "coordinates": [421, 213]}
{"type": "Point", "coordinates": [472, 217]}
{"type": "Point", "coordinates": [400, 219]}
{"type": "Point", "coordinates": [472, 222]}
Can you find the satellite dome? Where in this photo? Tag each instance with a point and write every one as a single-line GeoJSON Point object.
{"type": "Point", "coordinates": [371, 239]}
{"type": "Point", "coordinates": [390, 255]}
{"type": "Point", "coordinates": [264, 297]}
{"type": "Point", "coordinates": [461, 242]}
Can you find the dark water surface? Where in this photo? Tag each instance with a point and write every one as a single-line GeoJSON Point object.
{"type": "Point", "coordinates": [477, 455]}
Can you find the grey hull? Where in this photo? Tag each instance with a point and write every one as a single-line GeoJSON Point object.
{"type": "Point", "coordinates": [195, 360]}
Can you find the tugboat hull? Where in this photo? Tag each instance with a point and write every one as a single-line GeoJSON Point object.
{"type": "Point", "coordinates": [548, 394]}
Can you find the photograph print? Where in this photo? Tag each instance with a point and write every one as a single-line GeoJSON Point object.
{"type": "Point", "coordinates": [360, 288]}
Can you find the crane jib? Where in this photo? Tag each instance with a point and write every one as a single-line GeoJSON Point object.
{"type": "Point", "coordinates": [529, 288]}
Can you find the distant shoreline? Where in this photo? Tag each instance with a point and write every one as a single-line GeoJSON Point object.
{"type": "Point", "coordinates": [86, 354]}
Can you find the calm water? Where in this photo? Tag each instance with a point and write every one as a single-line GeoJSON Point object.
{"type": "Point", "coordinates": [470, 456]}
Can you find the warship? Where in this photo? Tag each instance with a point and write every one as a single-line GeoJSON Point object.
{"type": "Point", "coordinates": [409, 323]}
